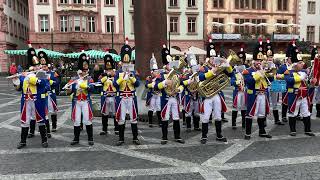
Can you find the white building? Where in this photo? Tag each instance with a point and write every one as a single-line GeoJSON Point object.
{"type": "Point", "coordinates": [309, 15]}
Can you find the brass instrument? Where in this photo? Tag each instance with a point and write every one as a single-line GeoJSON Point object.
{"type": "Point", "coordinates": [172, 75]}
{"type": "Point", "coordinates": [233, 58]}
{"type": "Point", "coordinates": [212, 86]}
{"type": "Point", "coordinates": [20, 74]}
{"type": "Point", "coordinates": [193, 87]}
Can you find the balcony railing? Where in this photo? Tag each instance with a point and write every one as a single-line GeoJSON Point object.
{"type": "Point", "coordinates": [244, 37]}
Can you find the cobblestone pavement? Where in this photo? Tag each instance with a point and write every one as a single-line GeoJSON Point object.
{"type": "Point", "coordinates": [282, 157]}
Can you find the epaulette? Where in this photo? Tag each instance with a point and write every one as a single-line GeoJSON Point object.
{"type": "Point", "coordinates": [245, 72]}
{"type": "Point", "coordinates": [286, 72]}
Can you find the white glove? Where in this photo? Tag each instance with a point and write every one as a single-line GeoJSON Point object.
{"type": "Point", "coordinates": [303, 75]}
{"type": "Point", "coordinates": [126, 77]}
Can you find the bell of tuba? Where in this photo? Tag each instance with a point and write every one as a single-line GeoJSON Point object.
{"type": "Point", "coordinates": [172, 75]}
{"type": "Point", "coordinates": [233, 58]}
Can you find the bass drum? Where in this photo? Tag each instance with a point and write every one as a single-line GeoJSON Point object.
{"type": "Point", "coordinates": [96, 109]}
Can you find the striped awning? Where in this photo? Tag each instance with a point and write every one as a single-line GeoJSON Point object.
{"type": "Point", "coordinates": [51, 54]}
{"type": "Point", "coordinates": [93, 54]}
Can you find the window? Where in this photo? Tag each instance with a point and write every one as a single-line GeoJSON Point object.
{"type": "Point", "coordinates": [18, 5]}
{"type": "Point", "coordinates": [191, 3]}
{"type": "Point", "coordinates": [242, 29]}
{"type": "Point", "coordinates": [132, 2]}
{"type": "Point", "coordinates": [109, 2]}
{"type": "Point", "coordinates": [70, 23]}
{"type": "Point", "coordinates": [311, 7]}
{"type": "Point", "coordinates": [19, 30]}
{"type": "Point", "coordinates": [258, 29]}
{"type": "Point", "coordinates": [64, 23]}
{"type": "Point", "coordinates": [217, 3]}
{"type": "Point", "coordinates": [15, 28]}
{"type": "Point", "coordinates": [9, 3]}
{"type": "Point", "coordinates": [282, 30]}
{"type": "Point", "coordinates": [10, 26]}
{"type": "Point", "coordinates": [310, 33]}
{"type": "Point", "coordinates": [14, 5]}
{"type": "Point", "coordinates": [90, 1]}
{"type": "Point", "coordinates": [44, 23]}
{"type": "Point", "coordinates": [192, 24]}
{"type": "Point", "coordinates": [173, 3]}
{"type": "Point", "coordinates": [241, 4]}
{"type": "Point", "coordinates": [282, 5]}
{"type": "Point", "coordinates": [77, 2]}
{"type": "Point", "coordinates": [92, 24]}
{"type": "Point", "coordinates": [109, 24]}
{"type": "Point", "coordinates": [63, 1]}
{"type": "Point", "coordinates": [258, 4]}
{"type": "Point", "coordinates": [43, 1]}
{"type": "Point", "coordinates": [77, 23]}
{"type": "Point", "coordinates": [84, 24]}
{"type": "Point", "coordinates": [174, 24]}
{"type": "Point", "coordinates": [218, 29]}
{"type": "Point", "coordinates": [132, 24]}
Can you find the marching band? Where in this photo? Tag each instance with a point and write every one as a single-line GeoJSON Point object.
{"type": "Point", "coordinates": [183, 83]}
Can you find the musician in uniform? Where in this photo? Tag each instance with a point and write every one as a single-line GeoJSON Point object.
{"type": "Point", "coordinates": [213, 104]}
{"type": "Point", "coordinates": [81, 89]}
{"type": "Point", "coordinates": [33, 100]}
{"type": "Point", "coordinates": [126, 82]}
{"type": "Point", "coordinates": [191, 99]}
{"type": "Point", "coordinates": [298, 100]}
{"type": "Point", "coordinates": [169, 102]}
{"type": "Point", "coordinates": [314, 91]}
{"type": "Point", "coordinates": [108, 95]}
{"type": "Point", "coordinates": [257, 93]}
{"type": "Point", "coordinates": [270, 71]}
{"type": "Point", "coordinates": [153, 95]}
{"type": "Point", "coordinates": [239, 94]}
{"type": "Point", "coordinates": [280, 75]}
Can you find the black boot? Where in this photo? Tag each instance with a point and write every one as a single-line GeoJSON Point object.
{"type": "Point", "coordinates": [159, 118]}
{"type": "Point", "coordinates": [183, 117]}
{"type": "Point", "coordinates": [24, 134]}
{"type": "Point", "coordinates": [150, 116]}
{"type": "Point", "coordinates": [196, 121]}
{"type": "Point", "coordinates": [90, 134]}
{"type": "Point", "coordinates": [116, 126]}
{"type": "Point", "coordinates": [48, 128]}
{"type": "Point", "coordinates": [32, 128]}
{"type": "Point", "coordinates": [284, 112]}
{"type": "Point", "coordinates": [164, 129]}
{"type": "Point", "coordinates": [134, 128]}
{"type": "Point", "coordinates": [243, 118]}
{"type": "Point", "coordinates": [81, 123]}
{"type": "Point", "coordinates": [54, 122]}
{"type": "Point", "coordinates": [204, 137]}
{"type": "Point", "coordinates": [121, 135]}
{"type": "Point", "coordinates": [247, 136]}
{"type": "Point", "coordinates": [223, 119]}
{"type": "Point", "coordinates": [104, 120]}
{"type": "Point", "coordinates": [234, 119]}
{"type": "Point", "coordinates": [307, 126]}
{"type": "Point", "coordinates": [311, 108]}
{"type": "Point", "coordinates": [176, 130]}
{"type": "Point", "coordinates": [188, 121]}
{"type": "Point", "coordinates": [318, 110]}
{"type": "Point", "coordinates": [43, 133]}
{"type": "Point", "coordinates": [76, 133]}
{"type": "Point", "coordinates": [292, 124]}
{"type": "Point", "coordinates": [262, 125]}
{"type": "Point", "coordinates": [218, 125]}
{"type": "Point", "coordinates": [276, 117]}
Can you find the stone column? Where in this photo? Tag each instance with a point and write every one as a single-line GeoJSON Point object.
{"type": "Point", "coordinates": [150, 31]}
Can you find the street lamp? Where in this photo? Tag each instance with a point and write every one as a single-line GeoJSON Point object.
{"type": "Point", "coordinates": [51, 38]}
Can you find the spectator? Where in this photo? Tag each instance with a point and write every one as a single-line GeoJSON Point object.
{"type": "Point", "coordinates": [20, 69]}
{"type": "Point", "coordinates": [13, 69]}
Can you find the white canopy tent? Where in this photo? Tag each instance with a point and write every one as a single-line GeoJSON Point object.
{"type": "Point", "coordinates": [175, 52]}
{"type": "Point", "coordinates": [195, 50]}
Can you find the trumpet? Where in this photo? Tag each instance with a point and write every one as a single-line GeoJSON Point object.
{"type": "Point", "coordinates": [263, 74]}
{"type": "Point", "coordinates": [68, 85]}
{"type": "Point", "coordinates": [19, 74]}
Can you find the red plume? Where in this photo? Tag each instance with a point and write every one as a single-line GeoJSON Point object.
{"type": "Point", "coordinates": [260, 39]}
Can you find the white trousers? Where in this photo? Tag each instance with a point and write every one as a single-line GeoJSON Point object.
{"type": "Point", "coordinates": [212, 105]}
{"type": "Point", "coordinates": [241, 103]}
{"type": "Point", "coordinates": [316, 97]}
{"type": "Point", "coordinates": [51, 105]}
{"type": "Point", "coordinates": [194, 107]}
{"type": "Point", "coordinates": [302, 105]}
{"type": "Point", "coordinates": [108, 107]}
{"type": "Point", "coordinates": [261, 106]}
{"type": "Point", "coordinates": [172, 108]}
{"type": "Point", "coordinates": [30, 113]}
{"type": "Point", "coordinates": [82, 107]}
{"type": "Point", "coordinates": [274, 100]}
{"type": "Point", "coordinates": [155, 104]}
{"type": "Point", "coordinates": [127, 105]}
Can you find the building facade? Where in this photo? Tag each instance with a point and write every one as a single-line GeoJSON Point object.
{"type": "Point", "coordinates": [14, 28]}
{"type": "Point", "coordinates": [70, 25]}
{"type": "Point", "coordinates": [247, 20]}
{"type": "Point", "coordinates": [309, 13]}
{"type": "Point", "coordinates": [184, 23]}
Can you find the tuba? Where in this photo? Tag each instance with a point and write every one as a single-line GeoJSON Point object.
{"type": "Point", "coordinates": [193, 87]}
{"type": "Point", "coordinates": [172, 75]}
{"type": "Point", "coordinates": [233, 58]}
